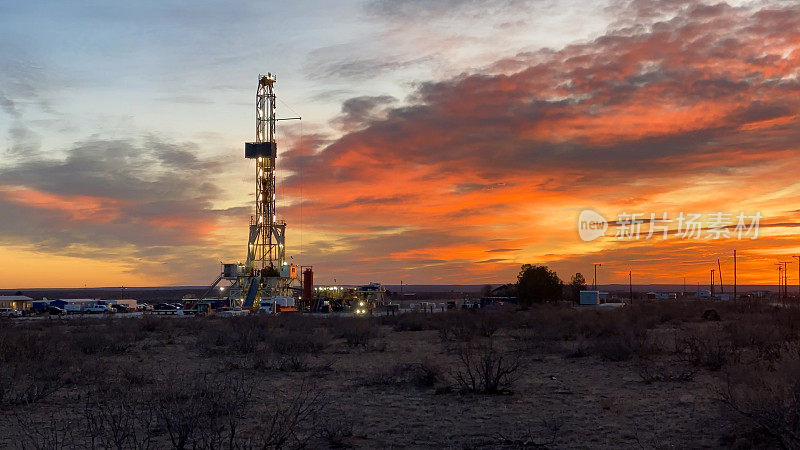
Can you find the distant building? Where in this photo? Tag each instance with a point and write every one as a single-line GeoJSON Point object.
{"type": "Point", "coordinates": [589, 298]}
{"type": "Point", "coordinates": [661, 295]}
{"type": "Point", "coordinates": [16, 302]}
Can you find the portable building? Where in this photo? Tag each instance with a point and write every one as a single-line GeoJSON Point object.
{"type": "Point", "coordinates": [590, 298]}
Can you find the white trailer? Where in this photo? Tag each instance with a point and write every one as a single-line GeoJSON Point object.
{"type": "Point", "coordinates": [590, 298]}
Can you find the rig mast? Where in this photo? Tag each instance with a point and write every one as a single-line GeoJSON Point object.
{"type": "Point", "coordinates": [268, 247]}
{"type": "Point", "coordinates": [265, 273]}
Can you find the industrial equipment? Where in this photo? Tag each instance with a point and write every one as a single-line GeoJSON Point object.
{"type": "Point", "coordinates": [265, 274]}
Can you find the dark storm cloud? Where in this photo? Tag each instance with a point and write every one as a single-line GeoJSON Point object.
{"type": "Point", "coordinates": [111, 193]}
{"type": "Point", "coordinates": [360, 111]}
{"type": "Point", "coordinates": [337, 62]}
{"type": "Point", "coordinates": [580, 107]}
{"type": "Point", "coordinates": [408, 9]}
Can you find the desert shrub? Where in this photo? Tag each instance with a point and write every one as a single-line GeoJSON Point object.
{"type": "Point", "coordinates": [355, 331]}
{"type": "Point", "coordinates": [200, 411]}
{"type": "Point", "coordinates": [35, 362]}
{"type": "Point", "coordinates": [290, 420]}
{"type": "Point", "coordinates": [708, 348]}
{"type": "Point", "coordinates": [459, 326]}
{"type": "Point", "coordinates": [242, 335]}
{"type": "Point", "coordinates": [672, 369]}
{"type": "Point", "coordinates": [336, 432]}
{"type": "Point", "coordinates": [294, 362]}
{"type": "Point", "coordinates": [119, 417]}
{"type": "Point", "coordinates": [292, 341]}
{"type": "Point", "coordinates": [763, 336]}
{"type": "Point", "coordinates": [421, 374]}
{"type": "Point", "coordinates": [766, 400]}
{"type": "Point", "coordinates": [482, 369]}
{"type": "Point", "coordinates": [621, 346]}
{"type": "Point", "coordinates": [410, 321]}
{"type": "Point", "coordinates": [40, 434]}
{"type": "Point", "coordinates": [98, 341]}
{"type": "Point", "coordinates": [464, 326]}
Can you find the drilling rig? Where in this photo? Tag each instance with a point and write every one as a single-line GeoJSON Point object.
{"type": "Point", "coordinates": [265, 273]}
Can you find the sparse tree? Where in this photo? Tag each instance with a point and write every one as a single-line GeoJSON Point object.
{"type": "Point", "coordinates": [576, 285]}
{"type": "Point", "coordinates": [537, 284]}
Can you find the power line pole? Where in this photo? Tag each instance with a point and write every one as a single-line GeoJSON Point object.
{"type": "Point", "coordinates": [721, 286]}
{"type": "Point", "coordinates": [785, 280]}
{"type": "Point", "coordinates": [798, 275]}
{"type": "Point", "coordinates": [712, 283]}
{"type": "Point", "coordinates": [596, 265]}
{"type": "Point", "coordinates": [630, 284]}
{"type": "Point", "coordinates": [683, 294]}
{"type": "Point", "coordinates": [734, 275]}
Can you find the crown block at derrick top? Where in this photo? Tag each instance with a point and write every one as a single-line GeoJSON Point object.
{"type": "Point", "coordinates": [260, 150]}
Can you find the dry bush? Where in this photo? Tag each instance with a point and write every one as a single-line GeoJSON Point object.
{"type": "Point", "coordinates": [356, 331]}
{"type": "Point", "coordinates": [410, 321]}
{"type": "Point", "coordinates": [94, 342]}
{"type": "Point", "coordinates": [118, 416]}
{"type": "Point", "coordinates": [200, 411]}
{"type": "Point", "coordinates": [622, 346]}
{"type": "Point", "coordinates": [290, 420]}
{"type": "Point", "coordinates": [670, 370]}
{"type": "Point", "coordinates": [291, 341]}
{"type": "Point", "coordinates": [483, 369]}
{"type": "Point", "coordinates": [710, 348]}
{"type": "Point", "coordinates": [47, 434]}
{"type": "Point", "coordinates": [422, 374]}
{"type": "Point", "coordinates": [464, 326]}
{"type": "Point", "coordinates": [241, 334]}
{"type": "Point", "coordinates": [529, 439]}
{"type": "Point", "coordinates": [767, 400]}
{"type": "Point", "coordinates": [34, 363]}
{"type": "Point", "coordinates": [336, 432]}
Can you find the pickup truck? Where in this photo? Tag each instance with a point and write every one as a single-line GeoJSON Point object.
{"type": "Point", "coordinates": [9, 312]}
{"type": "Point", "coordinates": [98, 309]}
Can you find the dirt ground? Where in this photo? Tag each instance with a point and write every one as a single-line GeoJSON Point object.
{"type": "Point", "coordinates": [384, 385]}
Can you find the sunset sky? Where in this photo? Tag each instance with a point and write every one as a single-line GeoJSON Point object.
{"type": "Point", "coordinates": [442, 142]}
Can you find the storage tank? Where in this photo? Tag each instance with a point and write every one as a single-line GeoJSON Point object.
{"type": "Point", "coordinates": [308, 287]}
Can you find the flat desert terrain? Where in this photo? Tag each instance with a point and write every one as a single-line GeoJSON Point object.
{"type": "Point", "coordinates": [651, 375]}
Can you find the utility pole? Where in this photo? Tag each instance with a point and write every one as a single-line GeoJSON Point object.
{"type": "Point", "coordinates": [780, 279]}
{"type": "Point", "coordinates": [712, 283]}
{"type": "Point", "coordinates": [785, 280]}
{"type": "Point", "coordinates": [630, 284]}
{"type": "Point", "coordinates": [596, 265]}
{"type": "Point", "coordinates": [734, 275]}
{"type": "Point", "coordinates": [721, 286]}
{"type": "Point", "coordinates": [683, 294]}
{"type": "Point", "coordinates": [798, 275]}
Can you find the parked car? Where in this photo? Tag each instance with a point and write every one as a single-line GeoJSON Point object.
{"type": "Point", "coordinates": [9, 312]}
{"type": "Point", "coordinates": [55, 311]}
{"type": "Point", "coordinates": [120, 308]}
{"type": "Point", "coordinates": [166, 307]}
{"type": "Point", "coordinates": [99, 309]}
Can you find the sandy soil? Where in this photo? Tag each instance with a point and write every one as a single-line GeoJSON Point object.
{"type": "Point", "coordinates": [558, 400]}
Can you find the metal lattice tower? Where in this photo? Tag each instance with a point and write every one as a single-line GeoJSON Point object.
{"type": "Point", "coordinates": [268, 252]}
